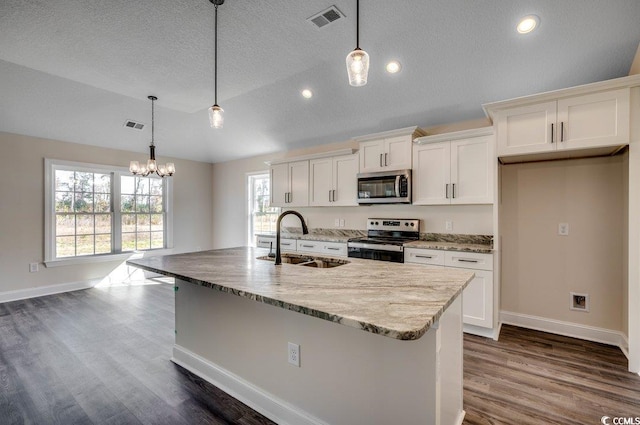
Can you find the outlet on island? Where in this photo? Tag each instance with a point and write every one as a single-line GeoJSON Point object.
{"type": "Point", "coordinates": [294, 354]}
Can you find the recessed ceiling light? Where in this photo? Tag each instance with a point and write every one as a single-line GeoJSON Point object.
{"type": "Point", "coordinates": [307, 94]}
{"type": "Point", "coordinates": [393, 67]}
{"type": "Point", "coordinates": [528, 24]}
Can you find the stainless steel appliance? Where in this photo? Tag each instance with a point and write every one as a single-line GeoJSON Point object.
{"type": "Point", "coordinates": [386, 187]}
{"type": "Point", "coordinates": [385, 239]}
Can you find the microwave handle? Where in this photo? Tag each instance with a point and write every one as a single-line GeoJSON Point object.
{"type": "Point", "coordinates": [398, 186]}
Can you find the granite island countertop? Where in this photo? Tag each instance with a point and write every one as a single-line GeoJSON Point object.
{"type": "Point", "coordinates": [397, 300]}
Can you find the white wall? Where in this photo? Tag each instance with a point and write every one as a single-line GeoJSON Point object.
{"type": "Point", "coordinates": [231, 214]}
{"type": "Point", "coordinates": [22, 208]}
{"type": "Point", "coordinates": [539, 267]}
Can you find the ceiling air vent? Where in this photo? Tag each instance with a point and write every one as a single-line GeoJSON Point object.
{"type": "Point", "coordinates": [134, 125]}
{"type": "Point", "coordinates": [326, 17]}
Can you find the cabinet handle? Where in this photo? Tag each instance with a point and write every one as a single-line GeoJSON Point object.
{"type": "Point", "coordinates": [285, 244]}
{"type": "Point", "coordinates": [381, 160]}
{"type": "Point", "coordinates": [446, 190]}
{"type": "Point", "coordinates": [329, 196]}
{"type": "Point", "coordinates": [551, 132]}
{"type": "Point", "coordinates": [308, 246]}
{"type": "Point", "coordinates": [333, 249]}
{"type": "Point", "coordinates": [462, 260]}
{"type": "Point", "coordinates": [562, 131]}
{"type": "Point", "coordinates": [385, 160]}
{"type": "Point", "coordinates": [289, 197]}
{"type": "Point", "coordinates": [334, 195]}
{"type": "Point", "coordinates": [424, 256]}
{"type": "Point", "coordinates": [453, 190]}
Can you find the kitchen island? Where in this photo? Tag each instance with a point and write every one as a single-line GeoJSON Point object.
{"type": "Point", "coordinates": [379, 342]}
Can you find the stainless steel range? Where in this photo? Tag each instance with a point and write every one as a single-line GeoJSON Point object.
{"type": "Point", "coordinates": [385, 239]}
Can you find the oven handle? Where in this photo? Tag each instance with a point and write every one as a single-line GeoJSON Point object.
{"type": "Point", "coordinates": [375, 247]}
{"type": "Point", "coordinates": [398, 186]}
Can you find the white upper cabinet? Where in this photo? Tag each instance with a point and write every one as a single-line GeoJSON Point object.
{"type": "Point", "coordinates": [455, 171]}
{"type": "Point", "coordinates": [333, 181]}
{"type": "Point", "coordinates": [387, 151]}
{"type": "Point", "coordinates": [290, 184]}
{"type": "Point", "coordinates": [574, 122]}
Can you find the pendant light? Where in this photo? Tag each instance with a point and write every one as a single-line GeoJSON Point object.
{"type": "Point", "coordinates": [216, 118]}
{"type": "Point", "coordinates": [358, 59]}
{"type": "Point", "coordinates": [151, 167]}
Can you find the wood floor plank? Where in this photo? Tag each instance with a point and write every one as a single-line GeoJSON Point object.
{"type": "Point", "coordinates": [102, 356]}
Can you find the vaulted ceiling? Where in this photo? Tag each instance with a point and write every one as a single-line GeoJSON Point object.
{"type": "Point", "coordinates": [76, 70]}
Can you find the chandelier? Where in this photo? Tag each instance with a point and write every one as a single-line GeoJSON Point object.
{"type": "Point", "coordinates": [151, 167]}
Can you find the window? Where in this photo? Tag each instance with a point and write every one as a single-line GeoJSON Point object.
{"type": "Point", "coordinates": [262, 217]}
{"type": "Point", "coordinates": [96, 211]}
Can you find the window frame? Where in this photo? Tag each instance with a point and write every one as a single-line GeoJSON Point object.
{"type": "Point", "coordinates": [50, 167]}
{"type": "Point", "coordinates": [251, 240]}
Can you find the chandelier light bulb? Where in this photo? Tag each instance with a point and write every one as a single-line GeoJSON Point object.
{"type": "Point", "coordinates": [151, 165]}
{"type": "Point", "coordinates": [171, 168]}
{"type": "Point", "coordinates": [134, 167]}
{"type": "Point", "coordinates": [216, 118]}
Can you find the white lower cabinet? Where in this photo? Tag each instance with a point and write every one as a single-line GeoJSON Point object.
{"type": "Point", "coordinates": [477, 299]}
{"type": "Point", "coordinates": [301, 245]}
{"type": "Point", "coordinates": [269, 242]}
{"type": "Point", "coordinates": [321, 247]}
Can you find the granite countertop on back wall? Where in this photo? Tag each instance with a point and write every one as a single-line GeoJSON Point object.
{"type": "Point", "coordinates": [442, 241]}
{"type": "Point", "coordinates": [400, 301]}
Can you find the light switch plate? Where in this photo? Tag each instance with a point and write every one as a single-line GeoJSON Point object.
{"type": "Point", "coordinates": [448, 225]}
{"type": "Point", "coordinates": [563, 229]}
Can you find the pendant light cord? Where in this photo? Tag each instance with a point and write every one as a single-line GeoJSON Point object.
{"type": "Point", "coordinates": [153, 120]}
{"type": "Point", "coordinates": [357, 24]}
{"type": "Point", "coordinates": [215, 56]}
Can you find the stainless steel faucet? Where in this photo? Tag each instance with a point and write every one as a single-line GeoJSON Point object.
{"type": "Point", "coordinates": [280, 217]}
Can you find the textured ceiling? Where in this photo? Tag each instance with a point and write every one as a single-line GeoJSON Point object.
{"type": "Point", "coordinates": [75, 70]}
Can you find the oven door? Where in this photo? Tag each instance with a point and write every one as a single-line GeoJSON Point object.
{"type": "Point", "coordinates": [385, 187]}
{"type": "Point", "coordinates": [358, 251]}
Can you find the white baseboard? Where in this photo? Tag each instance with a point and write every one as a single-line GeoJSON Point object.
{"type": "Point", "coordinates": [575, 330]}
{"type": "Point", "coordinates": [492, 333]}
{"type": "Point", "coordinates": [40, 291]}
{"type": "Point", "coordinates": [256, 398]}
{"type": "Point", "coordinates": [461, 418]}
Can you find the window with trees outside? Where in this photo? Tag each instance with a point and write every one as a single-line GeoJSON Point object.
{"type": "Point", "coordinates": [262, 217]}
{"type": "Point", "coordinates": [95, 211]}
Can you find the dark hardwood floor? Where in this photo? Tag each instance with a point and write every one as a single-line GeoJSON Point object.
{"type": "Point", "coordinates": [101, 356]}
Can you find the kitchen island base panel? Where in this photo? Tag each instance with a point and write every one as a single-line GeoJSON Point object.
{"type": "Point", "coordinates": [345, 376]}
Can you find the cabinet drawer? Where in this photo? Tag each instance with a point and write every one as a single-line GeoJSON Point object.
{"type": "Point", "coordinates": [334, 248]}
{"type": "Point", "coordinates": [285, 244]}
{"type": "Point", "coordinates": [309, 246]}
{"type": "Point", "coordinates": [424, 256]}
{"type": "Point", "coordinates": [468, 260]}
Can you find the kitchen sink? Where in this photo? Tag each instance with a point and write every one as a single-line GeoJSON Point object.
{"type": "Point", "coordinates": [308, 261]}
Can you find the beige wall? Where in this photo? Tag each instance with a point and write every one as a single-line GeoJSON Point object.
{"type": "Point", "coordinates": [22, 208]}
{"type": "Point", "coordinates": [231, 209]}
{"type": "Point", "coordinates": [625, 244]}
{"type": "Point", "coordinates": [539, 267]}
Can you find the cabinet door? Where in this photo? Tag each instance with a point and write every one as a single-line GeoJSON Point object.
{"type": "Point", "coordinates": [477, 300]}
{"type": "Point", "coordinates": [431, 174]}
{"type": "Point", "coordinates": [471, 171]}
{"type": "Point", "coordinates": [371, 156]}
{"type": "Point", "coordinates": [279, 181]}
{"type": "Point", "coordinates": [526, 129]}
{"type": "Point", "coordinates": [334, 248]}
{"type": "Point", "coordinates": [321, 182]}
{"type": "Point", "coordinates": [299, 183]}
{"type": "Point", "coordinates": [345, 180]}
{"type": "Point", "coordinates": [397, 153]}
{"type": "Point", "coordinates": [599, 119]}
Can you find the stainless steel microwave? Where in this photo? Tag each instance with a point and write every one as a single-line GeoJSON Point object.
{"type": "Point", "coordinates": [385, 187]}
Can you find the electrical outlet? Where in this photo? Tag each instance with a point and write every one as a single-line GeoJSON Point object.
{"type": "Point", "coordinates": [448, 225]}
{"type": "Point", "coordinates": [336, 222]}
{"type": "Point", "coordinates": [563, 229]}
{"type": "Point", "coordinates": [33, 267]}
{"type": "Point", "coordinates": [294, 354]}
{"type": "Point", "coordinates": [579, 302]}
{"type": "Point", "coordinates": [342, 222]}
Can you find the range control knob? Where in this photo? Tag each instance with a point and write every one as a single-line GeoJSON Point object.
{"type": "Point", "coordinates": [412, 224]}
{"type": "Point", "coordinates": [372, 223]}
{"type": "Point", "coordinates": [406, 224]}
